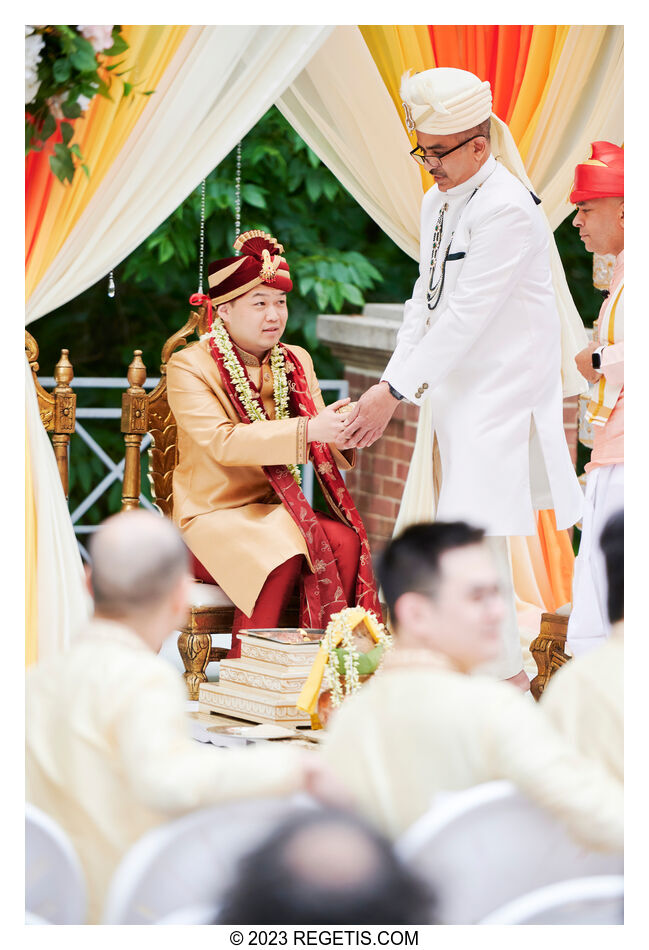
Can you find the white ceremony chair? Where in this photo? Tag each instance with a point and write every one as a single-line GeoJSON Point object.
{"type": "Point", "coordinates": [55, 888]}
{"type": "Point", "coordinates": [481, 848]}
{"type": "Point", "coordinates": [192, 860]}
{"type": "Point", "coordinates": [585, 900]}
{"type": "Point", "coordinates": [196, 914]}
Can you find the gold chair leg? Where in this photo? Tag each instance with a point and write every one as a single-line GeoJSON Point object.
{"type": "Point", "coordinates": [548, 651]}
{"type": "Point", "coordinates": [194, 649]}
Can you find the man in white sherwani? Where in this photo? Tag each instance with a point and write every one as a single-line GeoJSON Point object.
{"type": "Point", "coordinates": [481, 335]}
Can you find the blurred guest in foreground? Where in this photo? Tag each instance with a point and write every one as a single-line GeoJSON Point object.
{"type": "Point", "coordinates": [325, 867]}
{"type": "Point", "coordinates": [108, 750]}
{"type": "Point", "coordinates": [585, 698]}
{"type": "Point", "coordinates": [422, 726]}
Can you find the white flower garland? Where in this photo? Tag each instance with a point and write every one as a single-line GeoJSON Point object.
{"type": "Point", "coordinates": [340, 634]}
{"type": "Point", "coordinates": [241, 382]}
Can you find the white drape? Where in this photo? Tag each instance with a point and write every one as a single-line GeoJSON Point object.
{"type": "Point", "coordinates": [342, 109]}
{"type": "Point", "coordinates": [219, 84]}
{"type": "Point", "coordinates": [585, 104]}
{"type": "Point", "coordinates": [62, 602]}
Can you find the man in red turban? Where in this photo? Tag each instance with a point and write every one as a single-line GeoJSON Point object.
{"type": "Point", "coordinates": [598, 194]}
{"type": "Point", "coordinates": [249, 412]}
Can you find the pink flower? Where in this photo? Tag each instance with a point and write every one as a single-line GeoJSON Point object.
{"type": "Point", "coordinates": [99, 37]}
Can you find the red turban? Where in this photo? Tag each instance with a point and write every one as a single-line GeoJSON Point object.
{"type": "Point", "coordinates": [260, 263]}
{"type": "Point", "coordinates": [602, 176]}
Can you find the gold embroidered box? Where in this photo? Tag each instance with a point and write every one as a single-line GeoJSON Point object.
{"type": "Point", "coordinates": [264, 683]}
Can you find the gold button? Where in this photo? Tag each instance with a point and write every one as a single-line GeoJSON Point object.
{"type": "Point", "coordinates": [424, 385]}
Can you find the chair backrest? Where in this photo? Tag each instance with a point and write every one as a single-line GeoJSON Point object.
{"type": "Point", "coordinates": [584, 900]}
{"type": "Point", "coordinates": [191, 861]}
{"type": "Point", "coordinates": [485, 846]}
{"type": "Point", "coordinates": [58, 408]}
{"type": "Point", "coordinates": [54, 883]}
{"type": "Point", "coordinates": [144, 412]}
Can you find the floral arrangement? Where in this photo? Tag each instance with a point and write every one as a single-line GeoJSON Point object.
{"type": "Point", "coordinates": [241, 382]}
{"type": "Point", "coordinates": [65, 68]}
{"type": "Point", "coordinates": [344, 659]}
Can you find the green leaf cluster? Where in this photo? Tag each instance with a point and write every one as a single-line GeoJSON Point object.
{"type": "Point", "coordinates": [365, 663]}
{"type": "Point", "coordinates": [69, 69]}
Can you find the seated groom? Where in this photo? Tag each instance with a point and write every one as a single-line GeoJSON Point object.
{"type": "Point", "coordinates": [421, 725]}
{"type": "Point", "coordinates": [249, 410]}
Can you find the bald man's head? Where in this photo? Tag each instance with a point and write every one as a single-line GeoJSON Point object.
{"type": "Point", "coordinates": [137, 558]}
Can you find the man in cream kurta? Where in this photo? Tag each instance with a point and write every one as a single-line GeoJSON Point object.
{"type": "Point", "coordinates": [108, 751]}
{"type": "Point", "coordinates": [421, 726]}
{"type": "Point", "coordinates": [585, 698]}
{"type": "Point", "coordinates": [481, 335]}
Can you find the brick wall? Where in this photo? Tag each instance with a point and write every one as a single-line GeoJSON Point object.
{"type": "Point", "coordinates": [377, 482]}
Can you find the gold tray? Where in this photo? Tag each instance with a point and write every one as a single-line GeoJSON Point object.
{"type": "Point", "coordinates": [309, 635]}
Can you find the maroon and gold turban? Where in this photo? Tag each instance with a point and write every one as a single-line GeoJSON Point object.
{"type": "Point", "coordinates": [602, 176]}
{"type": "Point", "coordinates": [260, 263]}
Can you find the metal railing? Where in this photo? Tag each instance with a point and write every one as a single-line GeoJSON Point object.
{"type": "Point", "coordinates": [115, 470]}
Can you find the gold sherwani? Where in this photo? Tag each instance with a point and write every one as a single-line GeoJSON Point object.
{"type": "Point", "coordinates": [230, 517]}
{"type": "Point", "coordinates": [420, 728]}
{"type": "Point", "coordinates": [108, 752]}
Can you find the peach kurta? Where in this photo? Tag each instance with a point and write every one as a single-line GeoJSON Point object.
{"type": "Point", "coordinates": [230, 517]}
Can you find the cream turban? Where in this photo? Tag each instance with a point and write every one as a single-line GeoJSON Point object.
{"type": "Point", "coordinates": [443, 101]}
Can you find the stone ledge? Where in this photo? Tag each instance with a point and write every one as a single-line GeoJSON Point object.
{"type": "Point", "coordinates": [364, 341]}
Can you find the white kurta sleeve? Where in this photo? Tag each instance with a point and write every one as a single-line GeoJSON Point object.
{"type": "Point", "coordinates": [500, 244]}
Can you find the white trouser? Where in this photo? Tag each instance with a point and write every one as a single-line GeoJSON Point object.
{"type": "Point", "coordinates": [510, 661]}
{"type": "Point", "coordinates": [589, 625]}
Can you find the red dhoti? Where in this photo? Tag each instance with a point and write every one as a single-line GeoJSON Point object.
{"type": "Point", "coordinates": [280, 583]}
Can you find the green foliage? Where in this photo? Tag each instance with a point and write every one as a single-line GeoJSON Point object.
{"type": "Point", "coordinates": [365, 663]}
{"type": "Point", "coordinates": [69, 69]}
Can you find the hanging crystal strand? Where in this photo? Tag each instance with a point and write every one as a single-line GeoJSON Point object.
{"type": "Point", "coordinates": [201, 252]}
{"type": "Point", "coordinates": [111, 285]}
{"type": "Point", "coordinates": [237, 197]}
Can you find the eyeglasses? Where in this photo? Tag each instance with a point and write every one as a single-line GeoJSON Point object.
{"type": "Point", "coordinates": [421, 157]}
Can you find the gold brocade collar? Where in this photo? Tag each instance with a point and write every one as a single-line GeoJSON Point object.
{"type": "Point", "coordinates": [400, 658]}
{"type": "Point", "coordinates": [248, 359]}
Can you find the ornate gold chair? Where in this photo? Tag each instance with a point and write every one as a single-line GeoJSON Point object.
{"type": "Point", "coordinates": [58, 408]}
{"type": "Point", "coordinates": [212, 612]}
{"type": "Point", "coordinates": [548, 650]}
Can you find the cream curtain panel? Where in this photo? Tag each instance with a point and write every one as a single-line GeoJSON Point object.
{"type": "Point", "coordinates": [62, 604]}
{"type": "Point", "coordinates": [219, 84]}
{"type": "Point", "coordinates": [585, 103]}
{"type": "Point", "coordinates": [341, 108]}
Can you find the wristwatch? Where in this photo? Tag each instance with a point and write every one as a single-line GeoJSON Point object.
{"type": "Point", "coordinates": [393, 392]}
{"type": "Point", "coordinates": [596, 357]}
